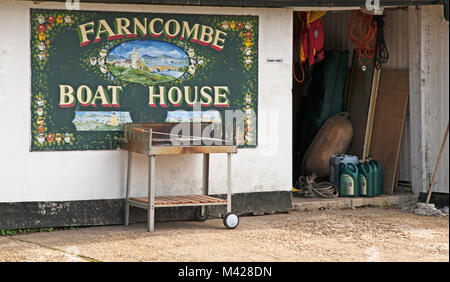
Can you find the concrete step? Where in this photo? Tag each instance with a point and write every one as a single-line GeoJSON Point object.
{"type": "Point", "coordinates": [402, 200]}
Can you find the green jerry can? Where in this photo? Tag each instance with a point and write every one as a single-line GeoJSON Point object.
{"type": "Point", "coordinates": [377, 175]}
{"type": "Point", "coordinates": [379, 178]}
{"type": "Point", "coordinates": [365, 179]}
{"type": "Point", "coordinates": [348, 180]}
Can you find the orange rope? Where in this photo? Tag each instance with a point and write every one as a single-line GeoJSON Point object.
{"type": "Point", "coordinates": [303, 73]}
{"type": "Point", "coordinates": [299, 21]}
{"type": "Point", "coordinates": [362, 33]}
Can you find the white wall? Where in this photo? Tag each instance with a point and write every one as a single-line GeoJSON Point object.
{"type": "Point", "coordinates": [429, 96]}
{"type": "Point", "coordinates": [85, 175]}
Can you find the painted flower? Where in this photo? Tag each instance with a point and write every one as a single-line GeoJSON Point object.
{"type": "Point", "coordinates": [68, 19]}
{"type": "Point", "coordinates": [248, 34]}
{"type": "Point", "coordinates": [67, 138]}
{"type": "Point", "coordinates": [59, 19]}
{"type": "Point", "coordinates": [248, 42]}
{"type": "Point", "coordinates": [40, 121]}
{"type": "Point", "coordinates": [225, 25]}
{"type": "Point", "coordinates": [248, 99]}
{"type": "Point", "coordinates": [232, 25]}
{"type": "Point", "coordinates": [41, 28]}
{"type": "Point", "coordinates": [248, 51]}
{"type": "Point", "coordinates": [248, 60]}
{"type": "Point", "coordinates": [58, 137]}
{"type": "Point", "coordinates": [41, 56]}
{"type": "Point", "coordinates": [103, 53]}
{"type": "Point", "coordinates": [191, 53]}
{"type": "Point", "coordinates": [40, 102]}
{"type": "Point", "coordinates": [200, 61]}
{"type": "Point", "coordinates": [103, 69]}
{"type": "Point", "coordinates": [51, 19]}
{"type": "Point", "coordinates": [40, 111]}
{"type": "Point", "coordinates": [93, 61]}
{"type": "Point", "coordinates": [240, 138]}
{"type": "Point", "coordinates": [40, 129]}
{"type": "Point", "coordinates": [240, 25]}
{"type": "Point", "coordinates": [41, 36]}
{"type": "Point", "coordinates": [40, 138]}
{"type": "Point", "coordinates": [41, 19]}
{"type": "Point", "coordinates": [41, 46]}
{"type": "Point", "coordinates": [248, 26]}
{"type": "Point", "coordinates": [50, 138]}
{"type": "Point", "coordinates": [191, 69]}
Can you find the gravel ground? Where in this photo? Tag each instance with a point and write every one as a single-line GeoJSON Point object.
{"type": "Point", "coordinates": [365, 234]}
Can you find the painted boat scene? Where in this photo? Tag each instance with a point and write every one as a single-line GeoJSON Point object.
{"type": "Point", "coordinates": [101, 121]}
{"type": "Point", "coordinates": [147, 62]}
{"type": "Point", "coordinates": [193, 116]}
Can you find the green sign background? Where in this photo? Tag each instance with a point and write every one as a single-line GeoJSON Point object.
{"type": "Point", "coordinates": [58, 59]}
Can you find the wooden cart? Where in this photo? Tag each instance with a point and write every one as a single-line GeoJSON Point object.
{"type": "Point", "coordinates": [153, 139]}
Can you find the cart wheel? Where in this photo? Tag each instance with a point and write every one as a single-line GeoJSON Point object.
{"type": "Point", "coordinates": [231, 220]}
{"type": "Point", "coordinates": [198, 215]}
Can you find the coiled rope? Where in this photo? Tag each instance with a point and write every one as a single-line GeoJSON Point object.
{"type": "Point", "coordinates": [381, 51]}
{"type": "Point", "coordinates": [362, 33]}
{"type": "Point", "coordinates": [322, 189]}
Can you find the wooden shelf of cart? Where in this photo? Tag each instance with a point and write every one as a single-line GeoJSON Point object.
{"type": "Point", "coordinates": [154, 139]}
{"type": "Point", "coordinates": [177, 201]}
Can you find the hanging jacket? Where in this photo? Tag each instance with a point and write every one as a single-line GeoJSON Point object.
{"type": "Point", "coordinates": [315, 37]}
{"type": "Point", "coordinates": [312, 37]}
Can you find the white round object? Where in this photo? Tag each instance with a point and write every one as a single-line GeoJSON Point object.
{"type": "Point", "coordinates": [231, 220]}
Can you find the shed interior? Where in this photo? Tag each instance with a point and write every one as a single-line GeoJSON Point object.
{"type": "Point", "coordinates": [348, 81]}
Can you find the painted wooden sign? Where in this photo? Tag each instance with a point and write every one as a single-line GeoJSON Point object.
{"type": "Point", "coordinates": [94, 71]}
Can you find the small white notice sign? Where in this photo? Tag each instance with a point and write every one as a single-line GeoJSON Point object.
{"type": "Point", "coordinates": [274, 60]}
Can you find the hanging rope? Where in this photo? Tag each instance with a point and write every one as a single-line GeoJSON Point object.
{"type": "Point", "coordinates": [303, 73]}
{"type": "Point", "coordinates": [381, 51]}
{"type": "Point", "coordinates": [362, 33]}
{"type": "Point", "coordinates": [299, 23]}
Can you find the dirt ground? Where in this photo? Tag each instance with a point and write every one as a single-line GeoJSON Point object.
{"type": "Point", "coordinates": [364, 234]}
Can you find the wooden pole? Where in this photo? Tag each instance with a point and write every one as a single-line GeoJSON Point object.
{"type": "Point", "coordinates": [437, 165]}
